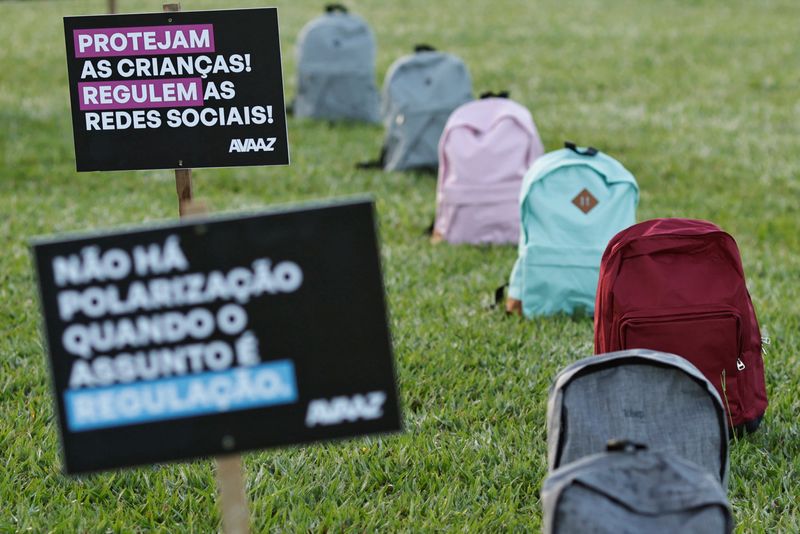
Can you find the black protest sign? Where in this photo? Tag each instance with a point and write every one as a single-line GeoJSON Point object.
{"type": "Point", "coordinates": [179, 89]}
{"type": "Point", "coordinates": [217, 335]}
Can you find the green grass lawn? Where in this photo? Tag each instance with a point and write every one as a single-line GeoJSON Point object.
{"type": "Point", "coordinates": [699, 99]}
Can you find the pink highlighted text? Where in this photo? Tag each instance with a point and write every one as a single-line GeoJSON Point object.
{"type": "Point", "coordinates": [175, 92]}
{"type": "Point", "coordinates": [144, 40]}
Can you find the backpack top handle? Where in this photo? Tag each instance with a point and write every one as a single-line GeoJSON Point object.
{"type": "Point", "coordinates": [624, 445]}
{"type": "Point", "coordinates": [332, 8]}
{"type": "Point", "coordinates": [422, 47]}
{"type": "Point", "coordinates": [590, 150]}
{"type": "Point", "coordinates": [499, 94]}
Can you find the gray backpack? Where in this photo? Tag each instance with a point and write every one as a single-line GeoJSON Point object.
{"type": "Point", "coordinates": [649, 397]}
{"type": "Point", "coordinates": [629, 490]}
{"type": "Point", "coordinates": [336, 68]}
{"type": "Point", "coordinates": [419, 93]}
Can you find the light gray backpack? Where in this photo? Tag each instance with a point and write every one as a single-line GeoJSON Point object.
{"type": "Point", "coordinates": [419, 93]}
{"type": "Point", "coordinates": [629, 490]}
{"type": "Point", "coordinates": [654, 398]}
{"type": "Point", "coordinates": [336, 68]}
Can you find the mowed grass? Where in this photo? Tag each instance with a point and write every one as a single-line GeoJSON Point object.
{"type": "Point", "coordinates": [698, 98]}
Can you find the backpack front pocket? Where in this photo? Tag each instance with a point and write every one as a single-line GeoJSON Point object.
{"type": "Point", "coordinates": [478, 213]}
{"type": "Point", "coordinates": [481, 223]}
{"type": "Point", "coordinates": [559, 279]}
{"type": "Point", "coordinates": [709, 337]}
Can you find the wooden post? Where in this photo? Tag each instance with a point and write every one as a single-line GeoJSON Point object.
{"type": "Point", "coordinates": [230, 480]}
{"type": "Point", "coordinates": [183, 185]}
{"type": "Point", "coordinates": [233, 501]}
{"type": "Point", "coordinates": [183, 177]}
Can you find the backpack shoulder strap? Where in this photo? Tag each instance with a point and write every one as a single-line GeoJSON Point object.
{"type": "Point", "coordinates": [375, 163]}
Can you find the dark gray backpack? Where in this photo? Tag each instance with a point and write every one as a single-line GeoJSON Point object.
{"type": "Point", "coordinates": [628, 490]}
{"type": "Point", "coordinates": [336, 68]}
{"type": "Point", "coordinates": [420, 92]}
{"type": "Point", "coordinates": [649, 397]}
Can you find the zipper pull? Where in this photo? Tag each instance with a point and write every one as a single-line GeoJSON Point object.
{"type": "Point", "coordinates": [739, 364]}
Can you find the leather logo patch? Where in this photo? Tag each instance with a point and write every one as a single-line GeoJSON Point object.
{"type": "Point", "coordinates": [585, 201]}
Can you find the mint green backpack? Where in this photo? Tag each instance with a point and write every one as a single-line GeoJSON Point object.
{"type": "Point", "coordinates": [572, 202]}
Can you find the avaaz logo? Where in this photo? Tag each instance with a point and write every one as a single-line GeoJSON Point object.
{"type": "Point", "coordinates": [338, 410]}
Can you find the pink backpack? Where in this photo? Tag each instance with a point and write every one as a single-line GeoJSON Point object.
{"type": "Point", "coordinates": [485, 149]}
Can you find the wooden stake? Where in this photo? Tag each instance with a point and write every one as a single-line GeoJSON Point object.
{"type": "Point", "coordinates": [194, 207]}
{"type": "Point", "coordinates": [183, 177]}
{"type": "Point", "coordinates": [230, 480]}
{"type": "Point", "coordinates": [183, 185]}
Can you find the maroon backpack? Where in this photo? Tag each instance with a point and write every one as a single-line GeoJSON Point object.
{"type": "Point", "coordinates": [677, 285]}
